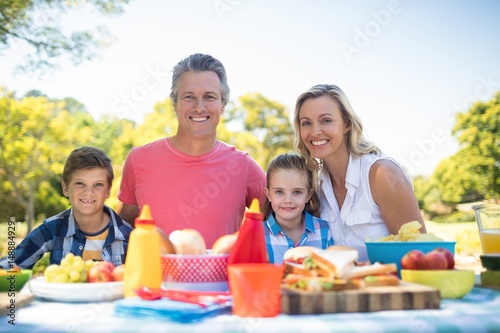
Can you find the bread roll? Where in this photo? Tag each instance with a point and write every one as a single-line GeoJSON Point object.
{"type": "Point", "coordinates": [224, 244]}
{"type": "Point", "coordinates": [188, 241]}
{"type": "Point", "coordinates": [340, 248]}
{"type": "Point", "coordinates": [298, 252]}
{"type": "Point", "coordinates": [166, 245]}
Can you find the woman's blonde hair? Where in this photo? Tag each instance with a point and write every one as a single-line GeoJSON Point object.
{"type": "Point", "coordinates": [356, 142]}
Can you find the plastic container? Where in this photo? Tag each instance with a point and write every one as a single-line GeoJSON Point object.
{"type": "Point", "coordinates": [392, 252]}
{"type": "Point", "coordinates": [143, 263]}
{"type": "Point", "coordinates": [250, 246]}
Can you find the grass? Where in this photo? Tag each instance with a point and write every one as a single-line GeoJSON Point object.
{"type": "Point", "coordinates": [21, 229]}
{"type": "Point", "coordinates": [465, 234]}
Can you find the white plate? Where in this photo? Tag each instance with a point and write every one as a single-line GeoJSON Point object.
{"type": "Point", "coordinates": [76, 292]}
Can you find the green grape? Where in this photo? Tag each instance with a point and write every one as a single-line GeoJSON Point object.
{"type": "Point", "coordinates": [52, 271]}
{"type": "Point", "coordinates": [60, 278]}
{"type": "Point", "coordinates": [74, 276]}
{"type": "Point", "coordinates": [78, 265]}
{"type": "Point", "coordinates": [65, 262]}
{"type": "Point", "coordinates": [89, 263]}
{"type": "Point", "coordinates": [70, 257]}
{"type": "Point", "coordinates": [52, 268]}
{"type": "Point", "coordinates": [67, 269]}
{"type": "Point", "coordinates": [72, 269]}
{"type": "Point", "coordinates": [83, 276]}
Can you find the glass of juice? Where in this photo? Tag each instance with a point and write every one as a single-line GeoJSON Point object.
{"type": "Point", "coordinates": [488, 222]}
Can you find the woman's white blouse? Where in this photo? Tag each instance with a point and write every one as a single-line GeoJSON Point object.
{"type": "Point", "coordinates": [359, 219]}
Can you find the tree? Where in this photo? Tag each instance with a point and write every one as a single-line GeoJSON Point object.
{"type": "Point", "coordinates": [35, 24]}
{"type": "Point", "coordinates": [456, 179]}
{"type": "Point", "coordinates": [36, 136]}
{"type": "Point", "coordinates": [267, 125]}
{"type": "Point", "coordinates": [478, 132]}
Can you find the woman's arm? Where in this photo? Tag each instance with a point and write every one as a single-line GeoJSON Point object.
{"type": "Point", "coordinates": [393, 193]}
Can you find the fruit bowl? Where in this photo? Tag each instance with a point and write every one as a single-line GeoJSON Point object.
{"type": "Point", "coordinates": [451, 283]}
{"type": "Point", "coordinates": [195, 272]}
{"type": "Point", "coordinates": [17, 282]}
{"type": "Point", "coordinates": [392, 252]}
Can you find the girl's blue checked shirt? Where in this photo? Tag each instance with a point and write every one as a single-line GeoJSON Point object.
{"type": "Point", "coordinates": [316, 233]}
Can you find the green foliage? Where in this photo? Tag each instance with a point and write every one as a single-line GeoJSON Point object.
{"type": "Point", "coordinates": [456, 179]}
{"type": "Point", "coordinates": [21, 230]}
{"type": "Point", "coordinates": [456, 216]}
{"type": "Point", "coordinates": [35, 24]}
{"type": "Point", "coordinates": [36, 136]}
{"type": "Point", "coordinates": [478, 132]}
{"type": "Point", "coordinates": [473, 173]}
{"type": "Point", "coordinates": [159, 123]}
{"type": "Point", "coordinates": [267, 128]}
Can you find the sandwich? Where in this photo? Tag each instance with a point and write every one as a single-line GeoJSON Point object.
{"type": "Point", "coordinates": [335, 268]}
{"type": "Point", "coordinates": [333, 262]}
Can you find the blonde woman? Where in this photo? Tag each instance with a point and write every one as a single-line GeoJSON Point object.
{"type": "Point", "coordinates": [363, 193]}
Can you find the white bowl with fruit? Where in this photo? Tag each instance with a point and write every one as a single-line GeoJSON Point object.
{"type": "Point", "coordinates": [76, 280]}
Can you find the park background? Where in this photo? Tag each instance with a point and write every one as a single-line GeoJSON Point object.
{"type": "Point", "coordinates": [423, 76]}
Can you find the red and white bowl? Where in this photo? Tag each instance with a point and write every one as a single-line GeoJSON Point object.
{"type": "Point", "coordinates": [195, 272]}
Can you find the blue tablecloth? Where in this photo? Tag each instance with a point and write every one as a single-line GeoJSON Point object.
{"type": "Point", "coordinates": [479, 311]}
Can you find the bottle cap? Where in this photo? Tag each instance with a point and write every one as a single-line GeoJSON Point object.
{"type": "Point", "coordinates": [145, 217]}
{"type": "Point", "coordinates": [254, 210]}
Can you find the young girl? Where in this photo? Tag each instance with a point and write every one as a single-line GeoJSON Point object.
{"type": "Point", "coordinates": [291, 209]}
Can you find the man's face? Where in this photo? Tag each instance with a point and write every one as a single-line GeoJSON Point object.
{"type": "Point", "coordinates": [199, 104]}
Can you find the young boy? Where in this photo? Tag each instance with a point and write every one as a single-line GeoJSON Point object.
{"type": "Point", "coordinates": [89, 228]}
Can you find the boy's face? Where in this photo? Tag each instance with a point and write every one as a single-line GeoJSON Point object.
{"type": "Point", "coordinates": [87, 191]}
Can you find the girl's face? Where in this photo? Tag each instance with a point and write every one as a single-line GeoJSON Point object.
{"type": "Point", "coordinates": [288, 194]}
{"type": "Point", "coordinates": [322, 128]}
{"type": "Point", "coordinates": [87, 191]}
{"type": "Point", "coordinates": [199, 103]}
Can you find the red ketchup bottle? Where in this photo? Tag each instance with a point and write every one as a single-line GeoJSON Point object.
{"type": "Point", "coordinates": [250, 246]}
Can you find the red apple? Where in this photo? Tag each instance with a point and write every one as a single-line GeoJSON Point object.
{"type": "Point", "coordinates": [101, 272]}
{"type": "Point", "coordinates": [411, 258]}
{"type": "Point", "coordinates": [449, 257]}
{"type": "Point", "coordinates": [118, 273]}
{"type": "Point", "coordinates": [107, 264]}
{"type": "Point", "coordinates": [433, 260]}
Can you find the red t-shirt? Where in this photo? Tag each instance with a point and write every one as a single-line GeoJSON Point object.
{"type": "Point", "coordinates": [208, 193]}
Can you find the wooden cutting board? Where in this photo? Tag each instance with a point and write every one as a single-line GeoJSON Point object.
{"type": "Point", "coordinates": [20, 300]}
{"type": "Point", "coordinates": [406, 296]}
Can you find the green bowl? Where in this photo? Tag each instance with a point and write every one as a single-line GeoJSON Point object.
{"type": "Point", "coordinates": [451, 283]}
{"type": "Point", "coordinates": [13, 281]}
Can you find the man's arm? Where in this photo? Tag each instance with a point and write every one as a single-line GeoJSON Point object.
{"type": "Point", "coordinates": [128, 213]}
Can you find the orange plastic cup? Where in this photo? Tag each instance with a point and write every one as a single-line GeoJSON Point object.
{"type": "Point", "coordinates": [256, 289]}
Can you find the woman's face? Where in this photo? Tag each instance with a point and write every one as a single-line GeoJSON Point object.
{"type": "Point", "coordinates": [199, 104]}
{"type": "Point", "coordinates": [321, 126]}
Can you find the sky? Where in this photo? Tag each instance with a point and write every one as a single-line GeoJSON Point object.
{"type": "Point", "coordinates": [406, 66]}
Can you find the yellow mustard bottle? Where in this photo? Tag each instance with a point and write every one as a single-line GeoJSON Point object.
{"type": "Point", "coordinates": [143, 262]}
